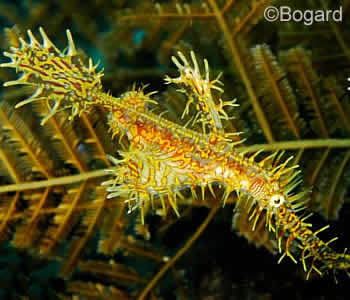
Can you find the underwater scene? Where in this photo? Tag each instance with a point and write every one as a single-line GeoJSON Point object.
{"type": "Point", "coordinates": [174, 149]}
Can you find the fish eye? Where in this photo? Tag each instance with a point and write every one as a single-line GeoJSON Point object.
{"type": "Point", "coordinates": [277, 200]}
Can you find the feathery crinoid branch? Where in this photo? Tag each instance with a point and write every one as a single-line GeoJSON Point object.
{"type": "Point", "coordinates": [165, 158]}
{"type": "Point", "coordinates": [322, 108]}
{"type": "Point", "coordinates": [41, 163]}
